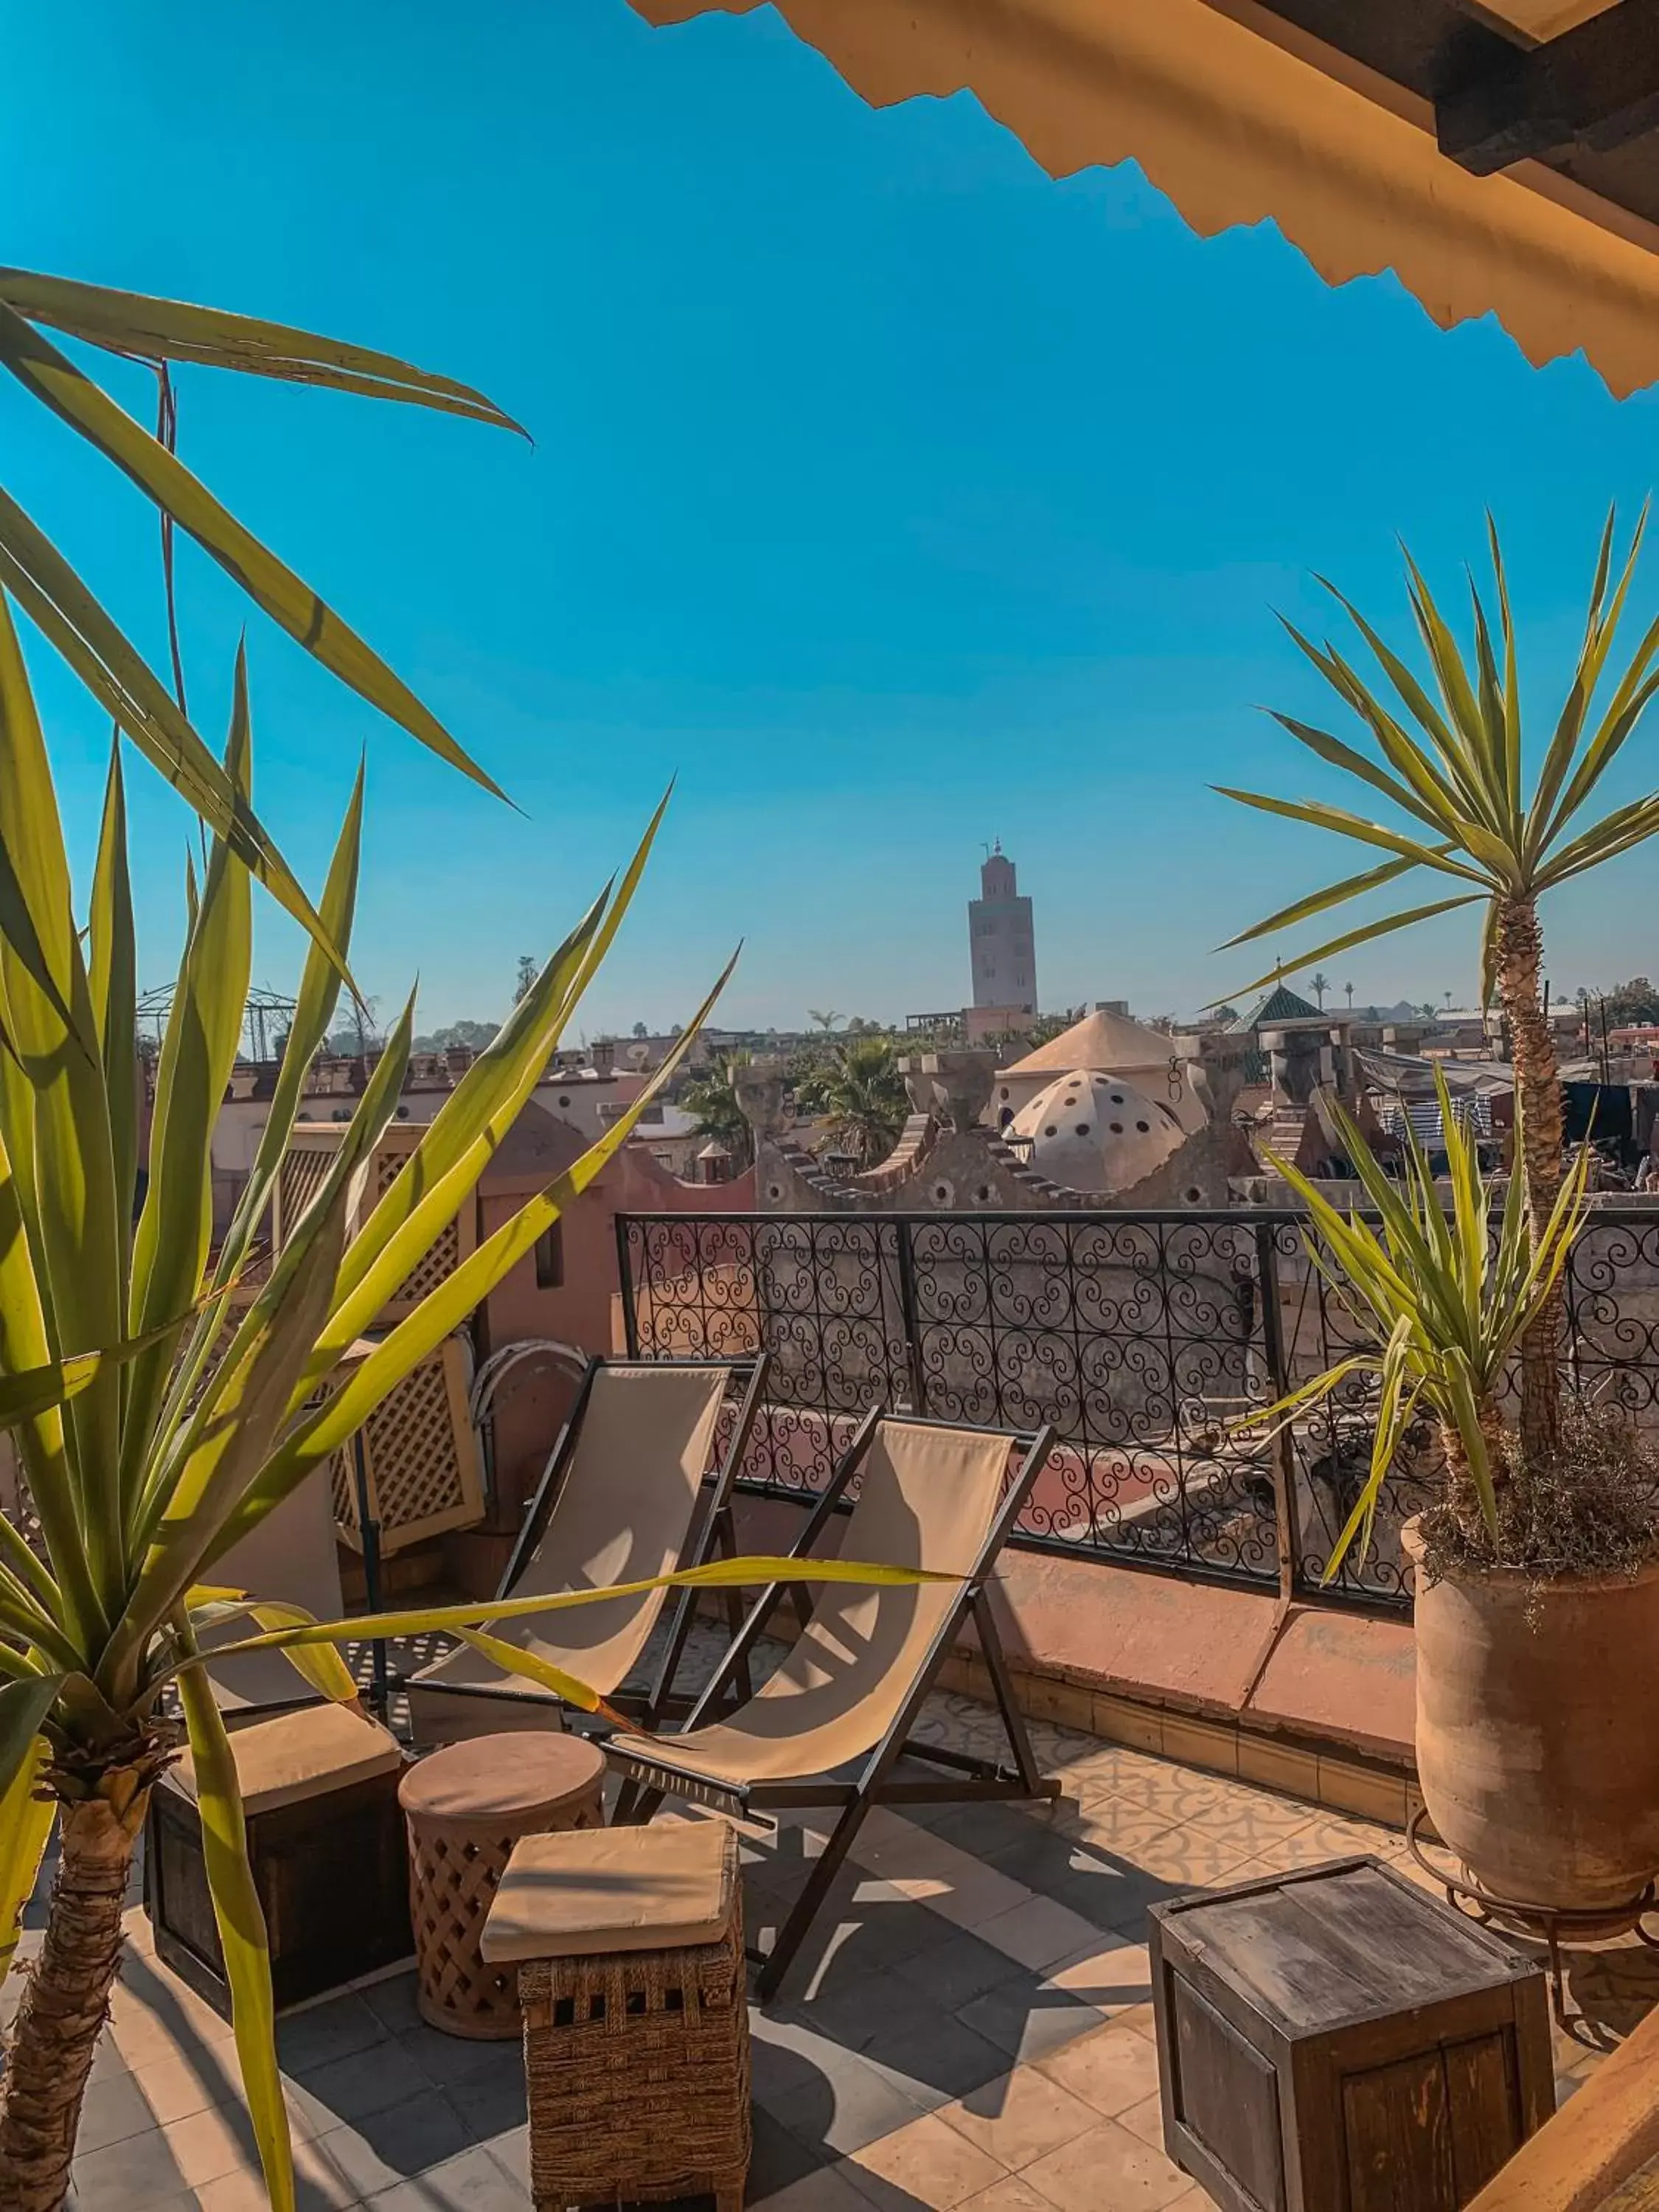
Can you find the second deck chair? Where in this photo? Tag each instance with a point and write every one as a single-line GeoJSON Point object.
{"type": "Point", "coordinates": [934, 1495]}
{"type": "Point", "coordinates": [618, 1503]}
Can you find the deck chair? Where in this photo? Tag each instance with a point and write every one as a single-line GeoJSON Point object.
{"type": "Point", "coordinates": [934, 1495]}
{"type": "Point", "coordinates": [617, 1502]}
{"type": "Point", "coordinates": [292, 1556]}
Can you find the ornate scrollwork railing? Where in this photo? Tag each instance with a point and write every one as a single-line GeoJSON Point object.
{"type": "Point", "coordinates": [1144, 1338]}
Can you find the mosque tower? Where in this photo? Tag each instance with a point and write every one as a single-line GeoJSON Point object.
{"type": "Point", "coordinates": [999, 938]}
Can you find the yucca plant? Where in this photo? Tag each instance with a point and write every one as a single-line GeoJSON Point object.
{"type": "Point", "coordinates": [163, 1404]}
{"type": "Point", "coordinates": [44, 586]}
{"type": "Point", "coordinates": [1453, 765]}
{"type": "Point", "coordinates": [1439, 1296]}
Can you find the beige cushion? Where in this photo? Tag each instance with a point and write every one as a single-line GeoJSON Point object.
{"type": "Point", "coordinates": [302, 1755]}
{"type": "Point", "coordinates": [656, 1888]}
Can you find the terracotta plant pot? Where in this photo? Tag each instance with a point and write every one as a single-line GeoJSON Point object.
{"type": "Point", "coordinates": [1538, 1738]}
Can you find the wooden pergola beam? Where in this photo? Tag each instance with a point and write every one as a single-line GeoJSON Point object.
{"type": "Point", "coordinates": [1596, 85]}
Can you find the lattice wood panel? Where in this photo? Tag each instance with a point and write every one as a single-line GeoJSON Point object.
{"type": "Point", "coordinates": [311, 1148]}
{"type": "Point", "coordinates": [421, 1457]}
{"type": "Point", "coordinates": [300, 1177]}
{"type": "Point", "coordinates": [443, 1256]}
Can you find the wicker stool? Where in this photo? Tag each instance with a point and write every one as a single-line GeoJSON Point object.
{"type": "Point", "coordinates": [466, 1807]}
{"type": "Point", "coordinates": [628, 1944]}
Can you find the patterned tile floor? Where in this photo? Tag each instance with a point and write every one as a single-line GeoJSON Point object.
{"type": "Point", "coordinates": [971, 2029]}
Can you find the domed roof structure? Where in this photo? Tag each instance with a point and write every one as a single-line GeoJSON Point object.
{"type": "Point", "coordinates": [1090, 1131]}
{"type": "Point", "coordinates": [1099, 1040]}
{"type": "Point", "coordinates": [1108, 1044]}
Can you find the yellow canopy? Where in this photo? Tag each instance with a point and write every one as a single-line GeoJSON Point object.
{"type": "Point", "coordinates": [1238, 116]}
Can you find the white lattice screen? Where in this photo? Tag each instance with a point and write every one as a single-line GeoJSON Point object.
{"type": "Point", "coordinates": [421, 1453]}
{"type": "Point", "coordinates": [421, 1458]}
{"type": "Point", "coordinates": [443, 1256]}
{"type": "Point", "coordinates": [305, 1163]}
{"type": "Point", "coordinates": [299, 1179]}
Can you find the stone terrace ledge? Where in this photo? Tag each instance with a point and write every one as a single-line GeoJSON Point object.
{"type": "Point", "coordinates": [1307, 1698]}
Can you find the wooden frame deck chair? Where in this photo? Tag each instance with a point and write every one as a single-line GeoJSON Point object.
{"type": "Point", "coordinates": [934, 1495]}
{"type": "Point", "coordinates": [291, 1557]}
{"type": "Point", "coordinates": [617, 1502]}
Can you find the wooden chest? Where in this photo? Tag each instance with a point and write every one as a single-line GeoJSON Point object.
{"type": "Point", "coordinates": [1336, 2040]}
{"type": "Point", "coordinates": [332, 1877]}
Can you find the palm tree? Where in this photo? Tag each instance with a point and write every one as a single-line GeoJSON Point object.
{"type": "Point", "coordinates": [1319, 983]}
{"type": "Point", "coordinates": [157, 1420]}
{"type": "Point", "coordinates": [1452, 766]}
{"type": "Point", "coordinates": [826, 1022]}
{"type": "Point", "coordinates": [1348, 987]}
{"type": "Point", "coordinates": [712, 1100]}
{"type": "Point", "coordinates": [861, 1094]}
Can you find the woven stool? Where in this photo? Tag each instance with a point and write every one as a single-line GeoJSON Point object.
{"type": "Point", "coordinates": [466, 1807]}
{"type": "Point", "coordinates": [629, 1945]}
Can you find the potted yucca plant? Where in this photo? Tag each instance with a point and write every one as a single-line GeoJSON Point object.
{"type": "Point", "coordinates": [1538, 1579]}
{"type": "Point", "coordinates": [1535, 1595]}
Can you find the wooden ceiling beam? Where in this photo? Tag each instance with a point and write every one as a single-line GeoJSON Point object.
{"type": "Point", "coordinates": [1596, 85]}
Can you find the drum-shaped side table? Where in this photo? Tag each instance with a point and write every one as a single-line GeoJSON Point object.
{"type": "Point", "coordinates": [465, 1807]}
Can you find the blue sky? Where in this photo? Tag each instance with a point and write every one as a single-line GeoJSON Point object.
{"type": "Point", "coordinates": [895, 496]}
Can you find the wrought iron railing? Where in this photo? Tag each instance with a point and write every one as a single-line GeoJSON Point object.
{"type": "Point", "coordinates": [1144, 1338]}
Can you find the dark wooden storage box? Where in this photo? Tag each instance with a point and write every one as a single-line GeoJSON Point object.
{"type": "Point", "coordinates": [1338, 2041]}
{"type": "Point", "coordinates": [332, 1876]}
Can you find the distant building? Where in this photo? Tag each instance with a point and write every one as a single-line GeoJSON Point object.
{"type": "Point", "coordinates": [990, 1025]}
{"type": "Point", "coordinates": [1103, 1043]}
{"type": "Point", "coordinates": [1000, 942]}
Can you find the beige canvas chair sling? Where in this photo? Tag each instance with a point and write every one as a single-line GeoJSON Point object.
{"type": "Point", "coordinates": [291, 1556]}
{"type": "Point", "coordinates": [932, 1495]}
{"type": "Point", "coordinates": [618, 1502]}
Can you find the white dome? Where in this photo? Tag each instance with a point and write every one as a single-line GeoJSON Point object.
{"type": "Point", "coordinates": [1095, 1132]}
{"type": "Point", "coordinates": [1111, 1044]}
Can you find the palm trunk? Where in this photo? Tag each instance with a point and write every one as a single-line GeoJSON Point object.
{"type": "Point", "coordinates": [1538, 1088]}
{"type": "Point", "coordinates": [1461, 1494]}
{"type": "Point", "coordinates": [64, 2006]}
